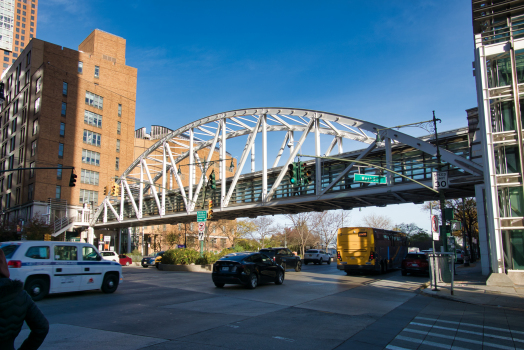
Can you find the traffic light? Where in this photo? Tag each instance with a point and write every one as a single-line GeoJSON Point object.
{"type": "Point", "coordinates": [292, 173]}
{"type": "Point", "coordinates": [116, 190]}
{"type": "Point", "coordinates": [212, 181]}
{"type": "Point", "coordinates": [72, 179]}
{"type": "Point", "coordinates": [305, 174]}
{"type": "Point", "coordinates": [210, 209]}
{"type": "Point", "coordinates": [113, 189]}
{"type": "Point", "coordinates": [105, 190]}
{"type": "Point", "coordinates": [47, 237]}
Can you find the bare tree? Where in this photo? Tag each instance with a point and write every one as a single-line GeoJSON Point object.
{"type": "Point", "coordinates": [328, 223]}
{"type": "Point", "coordinates": [303, 226]}
{"type": "Point", "coordinates": [378, 221]}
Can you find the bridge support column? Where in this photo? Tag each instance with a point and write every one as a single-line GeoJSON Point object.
{"type": "Point", "coordinates": [318, 164]}
{"type": "Point", "coordinates": [264, 157]}
{"type": "Point", "coordinates": [389, 160]}
{"type": "Point", "coordinates": [483, 232]}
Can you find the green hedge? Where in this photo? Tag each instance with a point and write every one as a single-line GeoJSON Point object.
{"type": "Point", "coordinates": [189, 256]}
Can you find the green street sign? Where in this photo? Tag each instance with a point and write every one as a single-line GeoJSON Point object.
{"type": "Point", "coordinates": [202, 216]}
{"type": "Point", "coordinates": [379, 179]}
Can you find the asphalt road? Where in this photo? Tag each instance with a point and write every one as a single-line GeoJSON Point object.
{"type": "Point", "coordinates": [318, 308]}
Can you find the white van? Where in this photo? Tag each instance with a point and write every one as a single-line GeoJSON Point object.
{"type": "Point", "coordinates": [56, 267]}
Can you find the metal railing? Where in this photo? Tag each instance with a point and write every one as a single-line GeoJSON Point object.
{"type": "Point", "coordinates": [442, 265]}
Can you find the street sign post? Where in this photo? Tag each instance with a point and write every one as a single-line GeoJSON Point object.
{"type": "Point", "coordinates": [202, 216]}
{"type": "Point", "coordinates": [440, 180]}
{"type": "Point", "coordinates": [379, 179]}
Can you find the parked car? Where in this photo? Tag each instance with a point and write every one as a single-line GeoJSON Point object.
{"type": "Point", "coordinates": [284, 257]}
{"type": "Point", "coordinates": [124, 260]}
{"type": "Point", "coordinates": [246, 268]}
{"type": "Point", "coordinates": [55, 267]}
{"type": "Point", "coordinates": [153, 260]}
{"type": "Point", "coordinates": [316, 256]}
{"type": "Point", "coordinates": [109, 255]}
{"type": "Point", "coordinates": [415, 263]}
{"type": "Point", "coordinates": [460, 256]}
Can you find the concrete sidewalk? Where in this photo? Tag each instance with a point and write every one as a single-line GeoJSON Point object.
{"type": "Point", "coordinates": [470, 287]}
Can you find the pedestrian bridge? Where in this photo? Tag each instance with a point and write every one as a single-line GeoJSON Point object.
{"type": "Point", "coordinates": [152, 189]}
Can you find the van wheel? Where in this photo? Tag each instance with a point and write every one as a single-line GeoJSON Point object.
{"type": "Point", "coordinates": [37, 288]}
{"type": "Point", "coordinates": [329, 261]}
{"type": "Point", "coordinates": [321, 261]}
{"type": "Point", "coordinates": [298, 266]}
{"type": "Point", "coordinates": [110, 283]}
{"type": "Point", "coordinates": [127, 263]}
{"type": "Point", "coordinates": [253, 281]}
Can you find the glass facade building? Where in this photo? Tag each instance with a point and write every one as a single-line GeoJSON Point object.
{"type": "Point", "coordinates": [498, 27]}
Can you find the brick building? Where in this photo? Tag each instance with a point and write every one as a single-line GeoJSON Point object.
{"type": "Point", "coordinates": [65, 108]}
{"type": "Point", "coordinates": [17, 27]}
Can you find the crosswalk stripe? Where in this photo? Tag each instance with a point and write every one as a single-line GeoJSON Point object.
{"type": "Point", "coordinates": [427, 342]}
{"type": "Point", "coordinates": [468, 332]}
{"type": "Point", "coordinates": [470, 324]}
{"type": "Point", "coordinates": [393, 347]}
{"type": "Point", "coordinates": [459, 338]}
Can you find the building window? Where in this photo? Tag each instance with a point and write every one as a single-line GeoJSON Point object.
{"type": "Point", "coordinates": [94, 100]}
{"type": "Point", "coordinates": [118, 127]}
{"type": "Point", "coordinates": [90, 157]}
{"type": "Point", "coordinates": [89, 177]}
{"type": "Point", "coordinates": [28, 59]}
{"type": "Point", "coordinates": [87, 196]}
{"type": "Point", "coordinates": [8, 200]}
{"type": "Point", "coordinates": [22, 135]}
{"type": "Point", "coordinates": [27, 76]}
{"type": "Point", "coordinates": [58, 191]}
{"type": "Point", "coordinates": [64, 88]}
{"type": "Point", "coordinates": [20, 155]}
{"type": "Point", "coordinates": [117, 163]}
{"type": "Point", "coordinates": [30, 191]}
{"type": "Point", "coordinates": [11, 161]}
{"type": "Point", "coordinates": [92, 119]}
{"type": "Point", "coordinates": [15, 107]}
{"type": "Point", "coordinates": [119, 110]}
{"type": "Point", "coordinates": [37, 105]}
{"type": "Point", "coordinates": [13, 143]}
{"type": "Point", "coordinates": [92, 138]}
{"type": "Point", "coordinates": [13, 125]}
{"type": "Point", "coordinates": [97, 71]}
{"type": "Point", "coordinates": [17, 198]}
{"type": "Point", "coordinates": [80, 67]}
{"type": "Point", "coordinates": [64, 107]}
{"type": "Point", "coordinates": [60, 150]}
{"type": "Point", "coordinates": [118, 145]}
{"type": "Point", "coordinates": [62, 129]}
{"type": "Point", "coordinates": [32, 170]}
{"type": "Point", "coordinates": [38, 84]}
{"type": "Point", "coordinates": [33, 148]}
{"type": "Point", "coordinates": [35, 126]}
{"type": "Point", "coordinates": [59, 172]}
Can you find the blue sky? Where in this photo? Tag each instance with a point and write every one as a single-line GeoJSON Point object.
{"type": "Point", "coordinates": [389, 62]}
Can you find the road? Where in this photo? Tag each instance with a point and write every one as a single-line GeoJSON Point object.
{"type": "Point", "coordinates": [318, 308]}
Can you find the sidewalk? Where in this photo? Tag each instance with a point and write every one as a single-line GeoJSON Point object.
{"type": "Point", "coordinates": [470, 287]}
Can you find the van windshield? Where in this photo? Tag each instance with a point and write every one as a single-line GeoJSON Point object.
{"type": "Point", "coordinates": [9, 250]}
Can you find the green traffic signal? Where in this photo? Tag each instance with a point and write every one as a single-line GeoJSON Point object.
{"type": "Point", "coordinates": [212, 180]}
{"type": "Point", "coordinates": [292, 173]}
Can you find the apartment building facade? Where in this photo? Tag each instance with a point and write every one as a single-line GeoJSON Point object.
{"type": "Point", "coordinates": [65, 108]}
{"type": "Point", "coordinates": [17, 27]}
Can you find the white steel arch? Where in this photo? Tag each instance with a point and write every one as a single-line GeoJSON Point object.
{"type": "Point", "coordinates": [155, 171]}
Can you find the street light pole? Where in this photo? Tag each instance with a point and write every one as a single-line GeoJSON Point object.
{"type": "Point", "coordinates": [442, 198]}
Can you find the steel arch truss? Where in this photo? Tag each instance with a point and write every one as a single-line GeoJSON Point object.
{"type": "Point", "coordinates": [153, 177]}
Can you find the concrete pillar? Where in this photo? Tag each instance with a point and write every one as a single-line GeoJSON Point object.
{"type": "Point", "coordinates": [128, 230]}
{"type": "Point", "coordinates": [90, 235]}
{"type": "Point", "coordinates": [483, 232]}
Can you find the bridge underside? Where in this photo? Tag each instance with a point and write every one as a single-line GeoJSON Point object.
{"type": "Point", "coordinates": [246, 200]}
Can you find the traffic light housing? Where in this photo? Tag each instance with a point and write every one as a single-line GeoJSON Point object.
{"type": "Point", "coordinates": [114, 189]}
{"type": "Point", "coordinates": [212, 181]}
{"type": "Point", "coordinates": [72, 179]}
{"type": "Point", "coordinates": [47, 237]}
{"type": "Point", "coordinates": [210, 209]}
{"type": "Point", "coordinates": [105, 190]}
{"type": "Point", "coordinates": [292, 173]}
{"type": "Point", "coordinates": [305, 174]}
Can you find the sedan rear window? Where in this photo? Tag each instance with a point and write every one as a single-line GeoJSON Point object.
{"type": "Point", "coordinates": [235, 257]}
{"type": "Point", "coordinates": [416, 256]}
{"type": "Point", "coordinates": [311, 251]}
{"type": "Point", "coordinates": [270, 253]}
{"type": "Point", "coordinates": [9, 250]}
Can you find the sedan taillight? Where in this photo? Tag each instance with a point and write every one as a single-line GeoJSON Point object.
{"type": "Point", "coordinates": [372, 256]}
{"type": "Point", "coordinates": [15, 264]}
{"type": "Point", "coordinates": [338, 256]}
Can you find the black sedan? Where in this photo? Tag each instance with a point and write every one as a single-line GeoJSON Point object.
{"type": "Point", "coordinates": [248, 269]}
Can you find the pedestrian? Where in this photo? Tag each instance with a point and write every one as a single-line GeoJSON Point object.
{"type": "Point", "coordinates": [16, 306]}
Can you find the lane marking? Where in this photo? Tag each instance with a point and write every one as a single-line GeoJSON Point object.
{"type": "Point", "coordinates": [460, 339]}
{"type": "Point", "coordinates": [284, 339]}
{"type": "Point", "coordinates": [427, 342]}
{"type": "Point", "coordinates": [393, 347]}
{"type": "Point", "coordinates": [471, 325]}
{"type": "Point", "coordinates": [469, 332]}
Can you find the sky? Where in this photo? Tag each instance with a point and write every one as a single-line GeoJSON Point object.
{"type": "Point", "coordinates": [387, 62]}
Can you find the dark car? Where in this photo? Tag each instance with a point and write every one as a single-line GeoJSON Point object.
{"type": "Point", "coordinates": [246, 268]}
{"type": "Point", "coordinates": [460, 256]}
{"type": "Point", "coordinates": [415, 263]}
{"type": "Point", "coordinates": [284, 257]}
{"type": "Point", "coordinates": [153, 260]}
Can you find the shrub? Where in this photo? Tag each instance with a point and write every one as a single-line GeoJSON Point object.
{"type": "Point", "coordinates": [135, 256]}
{"type": "Point", "coordinates": [180, 256]}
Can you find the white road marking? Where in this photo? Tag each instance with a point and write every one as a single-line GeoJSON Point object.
{"type": "Point", "coordinates": [393, 347]}
{"type": "Point", "coordinates": [459, 338]}
{"type": "Point", "coordinates": [471, 325]}
{"type": "Point", "coordinates": [468, 332]}
{"type": "Point", "coordinates": [284, 339]}
{"type": "Point", "coordinates": [427, 342]}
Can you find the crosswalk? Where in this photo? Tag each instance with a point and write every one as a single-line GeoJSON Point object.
{"type": "Point", "coordinates": [446, 334]}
